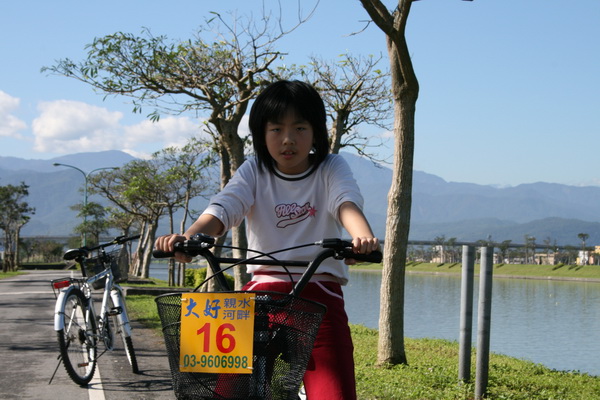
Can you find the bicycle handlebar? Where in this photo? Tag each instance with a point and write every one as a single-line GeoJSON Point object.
{"type": "Point", "coordinates": [336, 248]}
{"type": "Point", "coordinates": [200, 243]}
{"type": "Point", "coordinates": [118, 240]}
{"type": "Point", "coordinates": [72, 254]}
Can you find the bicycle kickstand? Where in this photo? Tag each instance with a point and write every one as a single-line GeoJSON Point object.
{"type": "Point", "coordinates": [56, 369]}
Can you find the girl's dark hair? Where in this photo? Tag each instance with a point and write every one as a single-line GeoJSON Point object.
{"type": "Point", "coordinates": [272, 104]}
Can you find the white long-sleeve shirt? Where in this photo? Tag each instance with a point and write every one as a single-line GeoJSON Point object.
{"type": "Point", "coordinates": [287, 210]}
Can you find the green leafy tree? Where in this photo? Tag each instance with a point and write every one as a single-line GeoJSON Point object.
{"type": "Point", "coordinates": [150, 189]}
{"type": "Point", "coordinates": [452, 251]}
{"type": "Point", "coordinates": [550, 246]}
{"type": "Point", "coordinates": [187, 174]}
{"type": "Point", "coordinates": [95, 223]}
{"type": "Point", "coordinates": [135, 189]}
{"type": "Point", "coordinates": [503, 247]}
{"type": "Point", "coordinates": [52, 251]}
{"type": "Point", "coordinates": [530, 244]}
{"type": "Point", "coordinates": [14, 214]}
{"type": "Point", "coordinates": [28, 247]}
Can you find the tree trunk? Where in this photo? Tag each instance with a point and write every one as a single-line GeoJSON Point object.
{"type": "Point", "coordinates": [146, 256]}
{"type": "Point", "coordinates": [135, 266]}
{"type": "Point", "coordinates": [235, 149]}
{"type": "Point", "coordinates": [182, 227]}
{"type": "Point", "coordinates": [143, 253]}
{"type": "Point", "coordinates": [405, 90]}
{"type": "Point", "coordinates": [17, 239]}
{"type": "Point", "coordinates": [171, 268]}
{"type": "Point", "coordinates": [391, 320]}
{"type": "Point", "coordinates": [8, 264]}
{"type": "Point", "coordinates": [338, 131]}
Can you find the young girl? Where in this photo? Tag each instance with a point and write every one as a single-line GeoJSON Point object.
{"type": "Point", "coordinates": [294, 192]}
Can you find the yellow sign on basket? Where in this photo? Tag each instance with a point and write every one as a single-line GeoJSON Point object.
{"type": "Point", "coordinates": [217, 332]}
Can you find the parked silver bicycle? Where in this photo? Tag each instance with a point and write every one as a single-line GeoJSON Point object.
{"type": "Point", "coordinates": [78, 325]}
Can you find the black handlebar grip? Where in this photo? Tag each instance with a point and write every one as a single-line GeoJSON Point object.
{"type": "Point", "coordinates": [374, 257]}
{"type": "Point", "coordinates": [162, 254]}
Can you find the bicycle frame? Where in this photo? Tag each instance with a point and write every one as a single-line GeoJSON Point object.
{"type": "Point", "coordinates": [110, 289]}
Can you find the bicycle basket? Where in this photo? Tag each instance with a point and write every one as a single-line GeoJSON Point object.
{"type": "Point", "coordinates": [119, 265]}
{"type": "Point", "coordinates": [284, 332]}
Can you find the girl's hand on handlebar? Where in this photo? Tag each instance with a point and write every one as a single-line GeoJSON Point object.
{"type": "Point", "coordinates": [363, 245]}
{"type": "Point", "coordinates": [166, 243]}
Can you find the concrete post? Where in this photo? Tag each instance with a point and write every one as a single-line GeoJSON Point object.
{"type": "Point", "coordinates": [466, 313]}
{"type": "Point", "coordinates": [484, 321]}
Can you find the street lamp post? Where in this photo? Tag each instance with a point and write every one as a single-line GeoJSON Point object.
{"type": "Point", "coordinates": [85, 191]}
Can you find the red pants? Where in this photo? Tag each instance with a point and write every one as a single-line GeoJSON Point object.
{"type": "Point", "coordinates": [330, 372]}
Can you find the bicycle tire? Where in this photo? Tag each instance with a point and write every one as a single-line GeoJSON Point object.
{"type": "Point", "coordinates": [77, 345]}
{"type": "Point", "coordinates": [127, 341]}
{"type": "Point", "coordinates": [130, 352]}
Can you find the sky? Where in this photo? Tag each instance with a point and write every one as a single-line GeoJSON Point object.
{"type": "Point", "coordinates": [509, 89]}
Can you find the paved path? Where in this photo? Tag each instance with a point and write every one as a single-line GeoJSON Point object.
{"type": "Point", "coordinates": [29, 351]}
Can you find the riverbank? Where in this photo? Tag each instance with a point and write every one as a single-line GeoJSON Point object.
{"type": "Point", "coordinates": [584, 273]}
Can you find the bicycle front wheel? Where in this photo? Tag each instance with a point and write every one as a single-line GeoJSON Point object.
{"type": "Point", "coordinates": [77, 339]}
{"type": "Point", "coordinates": [119, 322]}
{"type": "Point", "coordinates": [131, 354]}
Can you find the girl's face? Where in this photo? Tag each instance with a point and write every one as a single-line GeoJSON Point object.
{"type": "Point", "coordinates": [289, 142]}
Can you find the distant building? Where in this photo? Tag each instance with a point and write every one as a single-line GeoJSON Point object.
{"type": "Point", "coordinates": [439, 254]}
{"type": "Point", "coordinates": [544, 259]}
{"type": "Point", "coordinates": [595, 256]}
{"type": "Point", "coordinates": [586, 257]}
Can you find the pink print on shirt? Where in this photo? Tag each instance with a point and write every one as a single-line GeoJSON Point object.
{"type": "Point", "coordinates": [290, 214]}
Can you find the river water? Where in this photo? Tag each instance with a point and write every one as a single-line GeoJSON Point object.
{"type": "Point", "coordinates": [554, 323]}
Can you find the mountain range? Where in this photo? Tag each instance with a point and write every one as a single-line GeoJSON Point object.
{"type": "Point", "coordinates": [465, 211]}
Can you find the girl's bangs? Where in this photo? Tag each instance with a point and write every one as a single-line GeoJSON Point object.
{"type": "Point", "coordinates": [277, 109]}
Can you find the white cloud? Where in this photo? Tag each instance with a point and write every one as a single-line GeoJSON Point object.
{"type": "Point", "coordinates": [166, 132]}
{"type": "Point", "coordinates": [387, 134]}
{"type": "Point", "coordinates": [9, 124]}
{"type": "Point", "coordinates": [72, 127]}
{"type": "Point", "coordinates": [244, 129]}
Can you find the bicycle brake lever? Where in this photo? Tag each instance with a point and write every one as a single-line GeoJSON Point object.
{"type": "Point", "coordinates": [343, 250]}
{"type": "Point", "coordinates": [205, 239]}
{"type": "Point", "coordinates": [334, 243]}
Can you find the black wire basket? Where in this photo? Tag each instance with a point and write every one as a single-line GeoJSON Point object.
{"type": "Point", "coordinates": [119, 265]}
{"type": "Point", "coordinates": [285, 328]}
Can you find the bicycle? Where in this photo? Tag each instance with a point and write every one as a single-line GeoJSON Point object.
{"type": "Point", "coordinates": [284, 330]}
{"type": "Point", "coordinates": [79, 328]}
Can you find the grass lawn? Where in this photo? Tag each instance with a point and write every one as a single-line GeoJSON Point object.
{"type": "Point", "coordinates": [432, 373]}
